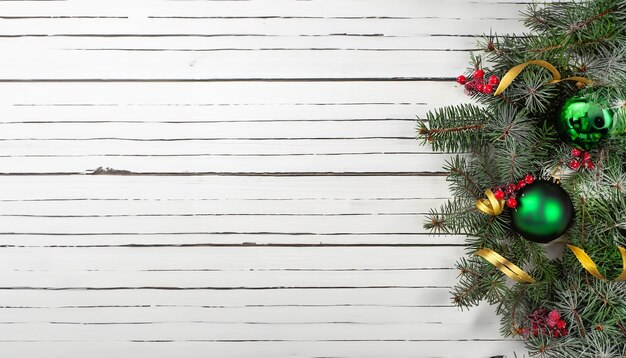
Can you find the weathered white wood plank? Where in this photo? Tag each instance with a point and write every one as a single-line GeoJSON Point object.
{"type": "Point", "coordinates": [258, 27]}
{"type": "Point", "coordinates": [260, 8]}
{"type": "Point", "coordinates": [218, 148]}
{"type": "Point", "coordinates": [228, 299]}
{"type": "Point", "coordinates": [208, 42]}
{"type": "Point", "coordinates": [366, 349]}
{"type": "Point", "coordinates": [251, 315]}
{"type": "Point", "coordinates": [220, 187]}
{"type": "Point", "coordinates": [315, 225]}
{"type": "Point", "coordinates": [173, 131]}
{"type": "Point", "coordinates": [225, 239]}
{"type": "Point", "coordinates": [238, 332]}
{"type": "Point", "coordinates": [211, 164]}
{"type": "Point", "coordinates": [227, 258]}
{"type": "Point", "coordinates": [216, 207]}
{"type": "Point", "coordinates": [226, 279]}
{"type": "Point", "coordinates": [276, 64]}
{"type": "Point", "coordinates": [203, 102]}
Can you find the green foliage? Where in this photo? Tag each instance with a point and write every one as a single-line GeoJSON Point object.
{"type": "Point", "coordinates": [505, 137]}
{"type": "Point", "coordinates": [454, 128]}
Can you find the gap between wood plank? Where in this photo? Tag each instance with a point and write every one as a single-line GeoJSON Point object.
{"type": "Point", "coordinates": [234, 288]}
{"type": "Point", "coordinates": [115, 172]}
{"type": "Point", "coordinates": [249, 79]}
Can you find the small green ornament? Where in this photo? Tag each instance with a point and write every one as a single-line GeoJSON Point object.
{"type": "Point", "coordinates": [544, 211]}
{"type": "Point", "coordinates": [583, 123]}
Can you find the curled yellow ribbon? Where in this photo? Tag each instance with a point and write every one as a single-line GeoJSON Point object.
{"type": "Point", "coordinates": [591, 267]}
{"type": "Point", "coordinates": [491, 205]}
{"type": "Point", "coordinates": [504, 265]}
{"type": "Point", "coordinates": [516, 70]}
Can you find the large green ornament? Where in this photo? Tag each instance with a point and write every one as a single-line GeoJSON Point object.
{"type": "Point", "coordinates": [544, 211]}
{"type": "Point", "coordinates": [583, 123]}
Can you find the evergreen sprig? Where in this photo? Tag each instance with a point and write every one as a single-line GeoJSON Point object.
{"type": "Point", "coordinates": [504, 137]}
{"type": "Point", "coordinates": [454, 128]}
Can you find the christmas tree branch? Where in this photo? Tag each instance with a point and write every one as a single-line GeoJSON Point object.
{"type": "Point", "coordinates": [596, 17]}
{"type": "Point", "coordinates": [520, 133]}
{"type": "Point", "coordinates": [430, 132]}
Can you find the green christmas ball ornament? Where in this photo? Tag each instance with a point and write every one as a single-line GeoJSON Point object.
{"type": "Point", "coordinates": [544, 211]}
{"type": "Point", "coordinates": [583, 123]}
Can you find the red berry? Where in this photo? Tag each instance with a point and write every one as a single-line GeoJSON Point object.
{"type": "Point", "coordinates": [586, 156]}
{"type": "Point", "coordinates": [493, 80]}
{"type": "Point", "coordinates": [487, 89]}
{"type": "Point", "coordinates": [563, 332]}
{"type": "Point", "coordinates": [479, 73]}
{"type": "Point", "coordinates": [461, 80]}
{"type": "Point", "coordinates": [529, 179]}
{"type": "Point", "coordinates": [499, 194]}
{"type": "Point", "coordinates": [588, 164]}
{"type": "Point", "coordinates": [574, 164]}
{"type": "Point", "coordinates": [599, 328]}
{"type": "Point", "coordinates": [520, 184]}
{"type": "Point", "coordinates": [480, 87]}
{"type": "Point", "coordinates": [560, 324]}
{"type": "Point", "coordinates": [509, 189]}
{"type": "Point", "coordinates": [554, 315]}
{"type": "Point", "coordinates": [511, 203]}
{"type": "Point", "coordinates": [576, 152]}
{"type": "Point", "coordinates": [556, 334]}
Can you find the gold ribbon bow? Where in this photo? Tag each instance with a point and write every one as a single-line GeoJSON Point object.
{"type": "Point", "coordinates": [591, 267]}
{"type": "Point", "coordinates": [491, 205]}
{"type": "Point", "coordinates": [516, 70]}
{"type": "Point", "coordinates": [504, 265]}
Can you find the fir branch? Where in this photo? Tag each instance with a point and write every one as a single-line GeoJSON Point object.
{"type": "Point", "coordinates": [595, 17]}
{"type": "Point", "coordinates": [454, 128]}
{"type": "Point", "coordinates": [514, 134]}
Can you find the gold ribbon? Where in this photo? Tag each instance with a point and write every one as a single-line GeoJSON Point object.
{"type": "Point", "coordinates": [491, 205]}
{"type": "Point", "coordinates": [591, 267]}
{"type": "Point", "coordinates": [504, 265]}
{"type": "Point", "coordinates": [516, 70]}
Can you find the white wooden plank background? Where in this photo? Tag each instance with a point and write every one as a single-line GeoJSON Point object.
{"type": "Point", "coordinates": [267, 193]}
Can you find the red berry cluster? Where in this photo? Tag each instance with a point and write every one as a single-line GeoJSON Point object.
{"type": "Point", "coordinates": [546, 323]}
{"type": "Point", "coordinates": [580, 159]}
{"type": "Point", "coordinates": [477, 83]}
{"type": "Point", "coordinates": [509, 191]}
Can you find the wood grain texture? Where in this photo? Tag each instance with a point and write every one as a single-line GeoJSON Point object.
{"type": "Point", "coordinates": [224, 178]}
